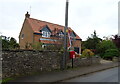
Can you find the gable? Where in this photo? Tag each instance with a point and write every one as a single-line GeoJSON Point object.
{"type": "Point", "coordinates": [26, 34]}
{"type": "Point", "coordinates": [26, 28]}
{"type": "Point", "coordinates": [46, 28]}
{"type": "Point", "coordinates": [73, 34]}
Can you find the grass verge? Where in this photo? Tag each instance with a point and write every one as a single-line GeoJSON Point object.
{"type": "Point", "coordinates": [3, 81]}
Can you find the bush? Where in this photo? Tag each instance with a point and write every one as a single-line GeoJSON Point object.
{"type": "Point", "coordinates": [110, 53]}
{"type": "Point", "coordinates": [54, 47]}
{"type": "Point", "coordinates": [37, 46]}
{"type": "Point", "coordinates": [87, 53]}
{"type": "Point", "coordinates": [105, 45]}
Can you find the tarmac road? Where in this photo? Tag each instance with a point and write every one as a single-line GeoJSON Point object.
{"type": "Point", "coordinates": [110, 75]}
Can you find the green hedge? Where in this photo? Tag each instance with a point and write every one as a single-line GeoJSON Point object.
{"type": "Point", "coordinates": [110, 53]}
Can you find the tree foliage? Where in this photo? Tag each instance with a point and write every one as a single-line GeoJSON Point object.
{"type": "Point", "coordinates": [105, 45]}
{"type": "Point", "coordinates": [13, 43]}
{"type": "Point", "coordinates": [9, 43]}
{"type": "Point", "coordinates": [99, 46]}
{"type": "Point", "coordinates": [91, 42]}
{"type": "Point", "coordinates": [110, 53]}
{"type": "Point", "coordinates": [116, 40]}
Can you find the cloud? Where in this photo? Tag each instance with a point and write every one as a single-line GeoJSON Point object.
{"type": "Point", "coordinates": [85, 16]}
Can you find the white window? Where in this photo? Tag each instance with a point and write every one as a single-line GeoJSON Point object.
{"type": "Point", "coordinates": [45, 34]}
{"type": "Point", "coordinates": [48, 34]}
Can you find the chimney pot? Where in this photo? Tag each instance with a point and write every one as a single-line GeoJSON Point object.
{"type": "Point", "coordinates": [27, 15]}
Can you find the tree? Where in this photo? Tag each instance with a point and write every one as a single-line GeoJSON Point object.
{"type": "Point", "coordinates": [92, 42]}
{"type": "Point", "coordinates": [9, 43]}
{"type": "Point", "coordinates": [116, 40]}
{"type": "Point", "coordinates": [13, 43]}
{"type": "Point", "coordinates": [5, 42]}
{"type": "Point", "coordinates": [104, 45]}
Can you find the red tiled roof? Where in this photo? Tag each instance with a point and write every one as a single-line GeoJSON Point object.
{"type": "Point", "coordinates": [37, 25]}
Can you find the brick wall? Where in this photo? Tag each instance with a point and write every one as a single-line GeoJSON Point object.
{"type": "Point", "coordinates": [28, 35]}
{"type": "Point", "coordinates": [77, 43]}
{"type": "Point", "coordinates": [37, 38]}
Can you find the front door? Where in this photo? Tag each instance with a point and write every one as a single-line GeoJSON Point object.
{"type": "Point", "coordinates": [76, 49]}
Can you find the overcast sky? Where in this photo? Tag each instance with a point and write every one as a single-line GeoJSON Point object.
{"type": "Point", "coordinates": [85, 16]}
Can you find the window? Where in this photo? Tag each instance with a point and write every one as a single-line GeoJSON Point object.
{"type": "Point", "coordinates": [61, 34]}
{"type": "Point", "coordinates": [22, 36]}
{"type": "Point", "coordinates": [45, 34]}
{"type": "Point", "coordinates": [47, 39]}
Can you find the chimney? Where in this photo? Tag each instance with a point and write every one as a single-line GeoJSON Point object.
{"type": "Point", "coordinates": [27, 15]}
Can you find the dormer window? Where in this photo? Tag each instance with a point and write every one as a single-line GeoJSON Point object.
{"type": "Point", "coordinates": [46, 34]}
{"type": "Point", "coordinates": [61, 34]}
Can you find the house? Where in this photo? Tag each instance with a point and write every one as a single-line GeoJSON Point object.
{"type": "Point", "coordinates": [47, 33]}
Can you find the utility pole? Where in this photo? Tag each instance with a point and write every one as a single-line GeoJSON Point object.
{"type": "Point", "coordinates": [65, 37]}
{"type": "Point", "coordinates": [119, 18]}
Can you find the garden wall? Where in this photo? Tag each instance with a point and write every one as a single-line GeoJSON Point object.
{"type": "Point", "coordinates": [23, 62]}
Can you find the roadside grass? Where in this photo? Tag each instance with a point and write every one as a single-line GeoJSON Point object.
{"type": "Point", "coordinates": [6, 80]}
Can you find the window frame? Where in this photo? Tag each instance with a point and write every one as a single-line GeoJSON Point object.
{"type": "Point", "coordinates": [46, 34]}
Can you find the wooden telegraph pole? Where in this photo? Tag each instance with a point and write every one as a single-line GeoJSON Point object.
{"type": "Point", "coordinates": [65, 37]}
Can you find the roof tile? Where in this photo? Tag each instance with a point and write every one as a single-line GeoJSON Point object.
{"type": "Point", "coordinates": [37, 25]}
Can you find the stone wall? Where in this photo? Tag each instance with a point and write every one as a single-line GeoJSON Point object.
{"type": "Point", "coordinates": [17, 63]}
{"type": "Point", "coordinates": [78, 62]}
{"type": "Point", "coordinates": [86, 61]}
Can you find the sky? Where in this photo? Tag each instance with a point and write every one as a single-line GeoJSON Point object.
{"type": "Point", "coordinates": [84, 16]}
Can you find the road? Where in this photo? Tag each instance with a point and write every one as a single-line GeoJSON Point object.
{"type": "Point", "coordinates": [109, 75]}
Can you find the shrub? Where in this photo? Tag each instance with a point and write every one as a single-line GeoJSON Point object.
{"type": "Point", "coordinates": [87, 53]}
{"type": "Point", "coordinates": [54, 47]}
{"type": "Point", "coordinates": [37, 46]}
{"type": "Point", "coordinates": [105, 45]}
{"type": "Point", "coordinates": [110, 53]}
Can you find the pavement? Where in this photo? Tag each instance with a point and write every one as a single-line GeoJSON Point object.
{"type": "Point", "coordinates": [59, 76]}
